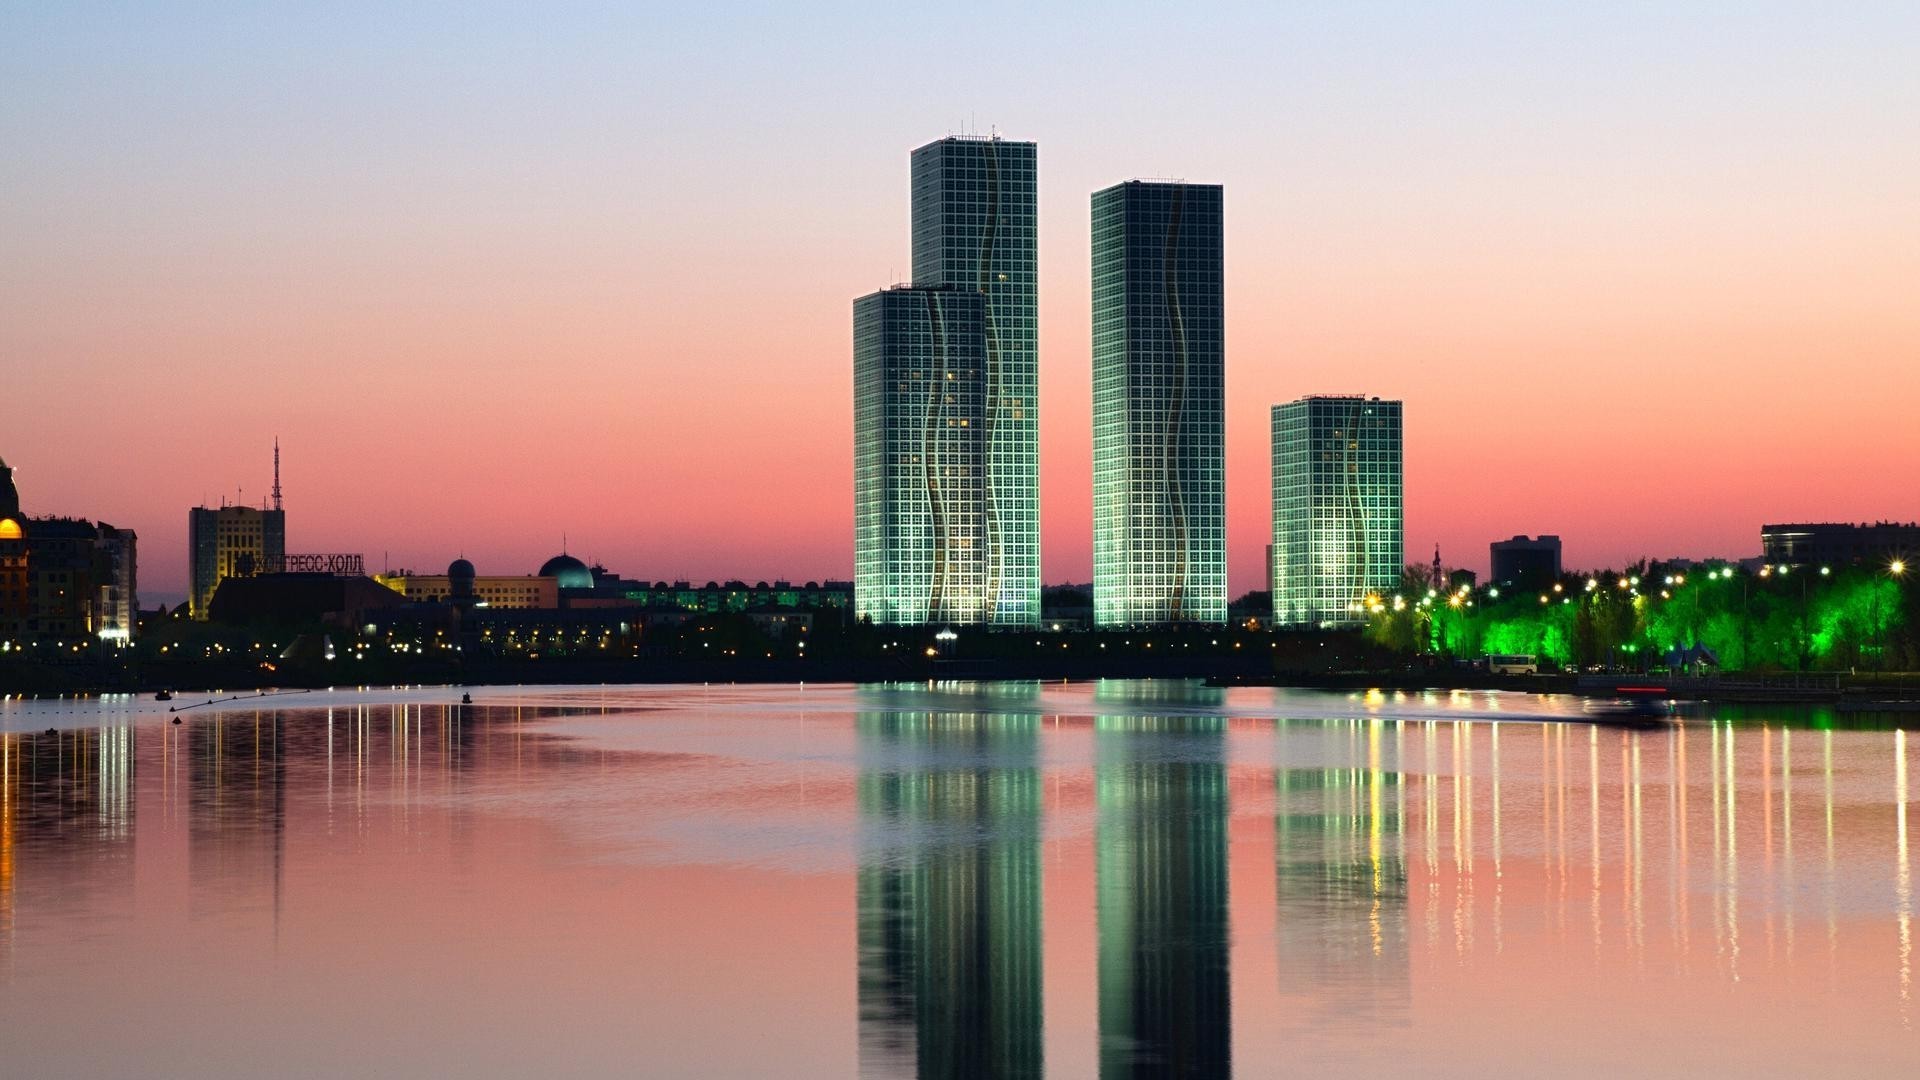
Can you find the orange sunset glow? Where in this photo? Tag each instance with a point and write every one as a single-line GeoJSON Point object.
{"type": "Point", "coordinates": [1644, 284]}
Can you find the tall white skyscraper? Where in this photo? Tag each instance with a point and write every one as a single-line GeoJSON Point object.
{"type": "Point", "coordinates": [976, 226]}
{"type": "Point", "coordinates": [1159, 405]}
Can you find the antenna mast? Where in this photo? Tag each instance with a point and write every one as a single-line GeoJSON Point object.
{"type": "Point", "coordinates": [276, 472]}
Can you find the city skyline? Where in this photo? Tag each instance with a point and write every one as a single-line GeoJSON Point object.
{"type": "Point", "coordinates": [448, 293]}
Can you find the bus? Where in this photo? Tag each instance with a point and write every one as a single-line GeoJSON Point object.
{"type": "Point", "coordinates": [1511, 664]}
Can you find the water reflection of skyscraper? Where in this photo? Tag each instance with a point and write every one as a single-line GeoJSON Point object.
{"type": "Point", "coordinates": [949, 895]}
{"type": "Point", "coordinates": [1341, 885]}
{"type": "Point", "coordinates": [1161, 863]}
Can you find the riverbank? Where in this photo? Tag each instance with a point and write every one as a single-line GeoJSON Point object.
{"type": "Point", "coordinates": [1242, 669]}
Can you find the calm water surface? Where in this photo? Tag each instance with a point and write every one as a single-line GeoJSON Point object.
{"type": "Point", "coordinates": [1141, 878]}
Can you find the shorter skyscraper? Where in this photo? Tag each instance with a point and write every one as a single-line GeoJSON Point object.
{"type": "Point", "coordinates": [920, 450]}
{"type": "Point", "coordinates": [1338, 520]}
{"type": "Point", "coordinates": [230, 541]}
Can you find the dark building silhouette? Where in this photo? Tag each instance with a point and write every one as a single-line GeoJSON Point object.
{"type": "Point", "coordinates": [1161, 864]}
{"type": "Point", "coordinates": [80, 581]}
{"type": "Point", "coordinates": [1877, 544]}
{"type": "Point", "coordinates": [949, 895]}
{"type": "Point", "coordinates": [13, 560]}
{"type": "Point", "coordinates": [1526, 563]}
{"type": "Point", "coordinates": [63, 581]}
{"type": "Point", "coordinates": [294, 599]}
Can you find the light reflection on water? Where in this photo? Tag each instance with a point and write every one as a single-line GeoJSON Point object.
{"type": "Point", "coordinates": [1122, 878]}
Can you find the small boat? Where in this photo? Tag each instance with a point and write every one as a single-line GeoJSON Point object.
{"type": "Point", "coordinates": [164, 695]}
{"type": "Point", "coordinates": [466, 699]}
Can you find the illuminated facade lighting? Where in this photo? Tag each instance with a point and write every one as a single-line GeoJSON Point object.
{"type": "Point", "coordinates": [975, 228]}
{"type": "Point", "coordinates": [920, 457]}
{"type": "Point", "coordinates": [1159, 405]}
{"type": "Point", "coordinates": [1337, 506]}
{"type": "Point", "coordinates": [230, 541]}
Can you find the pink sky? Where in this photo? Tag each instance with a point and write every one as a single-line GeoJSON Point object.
{"type": "Point", "coordinates": [1645, 285]}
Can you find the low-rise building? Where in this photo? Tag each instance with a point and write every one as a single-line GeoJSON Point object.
{"type": "Point", "coordinates": [526, 592]}
{"type": "Point", "coordinates": [1828, 544]}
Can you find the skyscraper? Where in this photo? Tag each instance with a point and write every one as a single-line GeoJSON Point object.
{"type": "Point", "coordinates": [920, 456]}
{"type": "Point", "coordinates": [1337, 516]}
{"type": "Point", "coordinates": [233, 541]}
{"type": "Point", "coordinates": [975, 226]}
{"type": "Point", "coordinates": [1159, 406]}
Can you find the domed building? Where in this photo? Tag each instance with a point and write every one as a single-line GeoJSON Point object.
{"type": "Point", "coordinates": [460, 579]}
{"type": "Point", "coordinates": [464, 586]}
{"type": "Point", "coordinates": [567, 572]}
{"type": "Point", "coordinates": [62, 578]}
{"type": "Point", "coordinates": [13, 560]}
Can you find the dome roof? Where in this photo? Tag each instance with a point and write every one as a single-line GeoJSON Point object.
{"type": "Point", "coordinates": [460, 568]}
{"type": "Point", "coordinates": [570, 572]}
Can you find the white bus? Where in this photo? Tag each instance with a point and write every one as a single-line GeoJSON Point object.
{"type": "Point", "coordinates": [1511, 664]}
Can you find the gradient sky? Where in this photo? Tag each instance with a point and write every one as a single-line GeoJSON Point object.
{"type": "Point", "coordinates": [1645, 277]}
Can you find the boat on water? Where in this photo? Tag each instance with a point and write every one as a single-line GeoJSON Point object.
{"type": "Point", "coordinates": [164, 695]}
{"type": "Point", "coordinates": [1636, 711]}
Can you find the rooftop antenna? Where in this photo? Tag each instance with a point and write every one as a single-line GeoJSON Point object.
{"type": "Point", "coordinates": [276, 472]}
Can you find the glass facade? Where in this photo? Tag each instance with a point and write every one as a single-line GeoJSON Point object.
{"type": "Point", "coordinates": [976, 226]}
{"type": "Point", "coordinates": [920, 457]}
{"type": "Point", "coordinates": [1159, 405]}
{"type": "Point", "coordinates": [950, 971]}
{"type": "Point", "coordinates": [1162, 911]}
{"type": "Point", "coordinates": [1338, 532]}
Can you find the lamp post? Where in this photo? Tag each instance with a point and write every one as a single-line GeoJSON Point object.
{"type": "Point", "coordinates": [1897, 569]}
